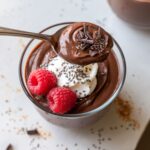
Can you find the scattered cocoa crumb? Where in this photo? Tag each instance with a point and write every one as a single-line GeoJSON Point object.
{"type": "Point", "coordinates": [94, 145]}
{"type": "Point", "coordinates": [111, 128]}
{"type": "Point", "coordinates": [121, 126]}
{"type": "Point", "coordinates": [100, 130]}
{"type": "Point", "coordinates": [124, 109]}
{"type": "Point", "coordinates": [32, 141]}
{"type": "Point", "coordinates": [37, 123]}
{"type": "Point", "coordinates": [99, 148]}
{"type": "Point", "coordinates": [92, 131]}
{"type": "Point", "coordinates": [8, 111]}
{"type": "Point", "coordinates": [99, 134]}
{"type": "Point", "coordinates": [6, 100]}
{"type": "Point", "coordinates": [2, 76]}
{"type": "Point", "coordinates": [38, 145]}
{"type": "Point", "coordinates": [9, 147]}
{"type": "Point", "coordinates": [33, 132]}
{"type": "Point", "coordinates": [100, 141]}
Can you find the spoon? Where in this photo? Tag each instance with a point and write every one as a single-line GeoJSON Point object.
{"type": "Point", "coordinates": [21, 33]}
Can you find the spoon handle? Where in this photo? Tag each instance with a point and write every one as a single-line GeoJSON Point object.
{"type": "Point", "coordinates": [14, 32]}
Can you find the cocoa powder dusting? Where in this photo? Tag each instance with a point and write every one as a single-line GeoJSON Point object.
{"type": "Point", "coordinates": [124, 109]}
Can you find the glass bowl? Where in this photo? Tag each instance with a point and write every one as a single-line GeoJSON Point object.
{"type": "Point", "coordinates": [71, 120]}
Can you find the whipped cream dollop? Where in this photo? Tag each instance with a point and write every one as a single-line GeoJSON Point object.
{"type": "Point", "coordinates": [81, 79]}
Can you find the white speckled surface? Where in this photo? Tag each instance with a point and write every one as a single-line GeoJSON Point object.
{"type": "Point", "coordinates": [16, 111]}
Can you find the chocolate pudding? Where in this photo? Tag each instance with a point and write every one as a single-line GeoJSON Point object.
{"type": "Point", "coordinates": [82, 44]}
{"type": "Point", "coordinates": [136, 12]}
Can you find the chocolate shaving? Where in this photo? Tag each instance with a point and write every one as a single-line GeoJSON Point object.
{"type": "Point", "coordinates": [94, 42]}
{"type": "Point", "coordinates": [89, 36]}
{"type": "Point", "coordinates": [85, 28]}
{"type": "Point", "coordinates": [84, 38]}
{"type": "Point", "coordinates": [81, 34]}
{"type": "Point", "coordinates": [86, 41]}
{"type": "Point", "coordinates": [33, 132]}
{"type": "Point", "coordinates": [9, 147]}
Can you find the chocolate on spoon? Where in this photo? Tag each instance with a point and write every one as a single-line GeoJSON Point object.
{"type": "Point", "coordinates": [84, 43]}
{"type": "Point", "coordinates": [79, 43]}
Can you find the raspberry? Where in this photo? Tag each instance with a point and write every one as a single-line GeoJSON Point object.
{"type": "Point", "coordinates": [40, 81]}
{"type": "Point", "coordinates": [61, 100]}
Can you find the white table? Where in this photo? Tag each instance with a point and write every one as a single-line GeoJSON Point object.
{"type": "Point", "coordinates": [17, 112]}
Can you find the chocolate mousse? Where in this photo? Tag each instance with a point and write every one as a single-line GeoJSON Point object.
{"type": "Point", "coordinates": [84, 43]}
{"type": "Point", "coordinates": [136, 12]}
{"type": "Point", "coordinates": [93, 74]}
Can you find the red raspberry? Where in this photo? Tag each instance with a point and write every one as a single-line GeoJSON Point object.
{"type": "Point", "coordinates": [61, 100]}
{"type": "Point", "coordinates": [40, 81]}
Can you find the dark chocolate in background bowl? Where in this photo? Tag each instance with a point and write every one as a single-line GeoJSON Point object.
{"type": "Point", "coordinates": [71, 120]}
{"type": "Point", "coordinates": [136, 12]}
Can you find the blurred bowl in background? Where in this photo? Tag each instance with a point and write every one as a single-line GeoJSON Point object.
{"type": "Point", "coordinates": [136, 12]}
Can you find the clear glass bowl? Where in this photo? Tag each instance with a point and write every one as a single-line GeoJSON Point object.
{"type": "Point", "coordinates": [71, 120]}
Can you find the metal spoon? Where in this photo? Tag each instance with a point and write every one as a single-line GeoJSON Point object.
{"type": "Point", "coordinates": [21, 33]}
{"type": "Point", "coordinates": [14, 32]}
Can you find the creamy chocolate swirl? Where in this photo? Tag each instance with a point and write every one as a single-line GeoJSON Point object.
{"type": "Point", "coordinates": [107, 78]}
{"type": "Point", "coordinates": [84, 43]}
{"type": "Point", "coordinates": [80, 43]}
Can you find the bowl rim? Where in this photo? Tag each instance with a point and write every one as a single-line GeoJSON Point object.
{"type": "Point", "coordinates": [98, 109]}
